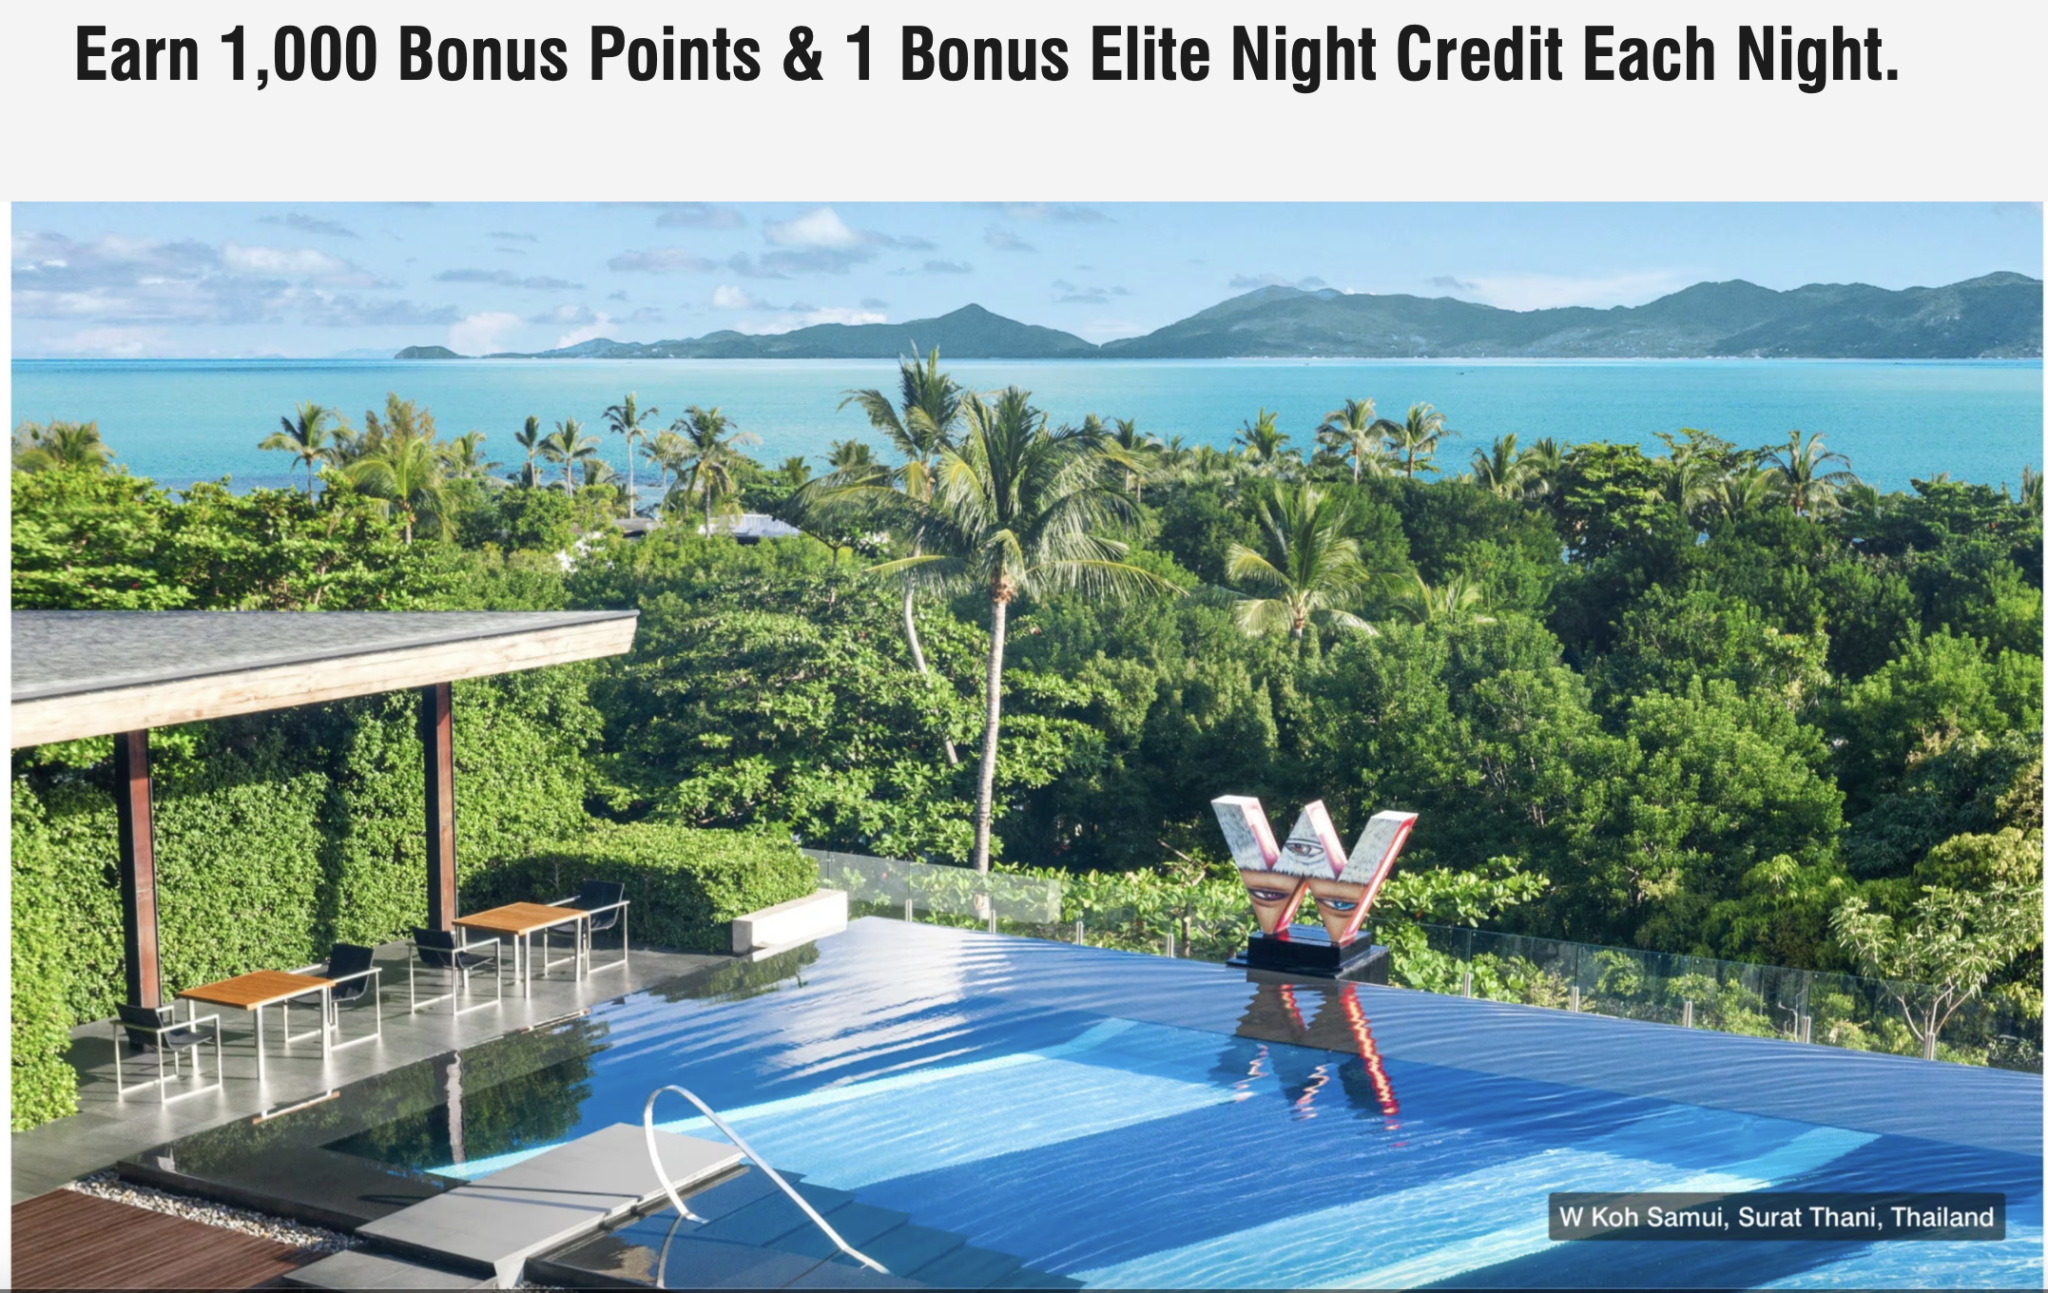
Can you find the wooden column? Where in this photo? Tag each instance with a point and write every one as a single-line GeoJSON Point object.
{"type": "Point", "coordinates": [136, 829]}
{"type": "Point", "coordinates": [437, 734]}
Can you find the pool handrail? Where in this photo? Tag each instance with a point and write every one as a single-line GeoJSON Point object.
{"type": "Point", "coordinates": [654, 1157]}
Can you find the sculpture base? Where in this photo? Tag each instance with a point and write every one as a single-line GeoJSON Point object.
{"type": "Point", "coordinates": [1306, 950]}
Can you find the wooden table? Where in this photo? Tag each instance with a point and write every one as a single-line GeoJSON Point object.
{"type": "Point", "coordinates": [520, 921]}
{"type": "Point", "coordinates": [252, 992]}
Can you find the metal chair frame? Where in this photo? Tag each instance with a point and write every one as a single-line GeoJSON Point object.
{"type": "Point", "coordinates": [161, 1082]}
{"type": "Point", "coordinates": [458, 980]}
{"type": "Point", "coordinates": [331, 1007]}
{"type": "Point", "coordinates": [586, 936]}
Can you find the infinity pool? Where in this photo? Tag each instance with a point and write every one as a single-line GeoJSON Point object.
{"type": "Point", "coordinates": [1126, 1121]}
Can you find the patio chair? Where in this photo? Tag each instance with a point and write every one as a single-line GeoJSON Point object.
{"type": "Point", "coordinates": [350, 968]}
{"type": "Point", "coordinates": [606, 902]}
{"type": "Point", "coordinates": [153, 1028]}
{"type": "Point", "coordinates": [439, 949]}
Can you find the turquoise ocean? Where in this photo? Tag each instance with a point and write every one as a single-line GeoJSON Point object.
{"type": "Point", "coordinates": [184, 420]}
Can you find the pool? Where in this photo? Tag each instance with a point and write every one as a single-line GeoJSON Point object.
{"type": "Point", "coordinates": [1112, 1120]}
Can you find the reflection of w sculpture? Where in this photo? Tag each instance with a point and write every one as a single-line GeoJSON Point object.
{"type": "Point", "coordinates": [1312, 860]}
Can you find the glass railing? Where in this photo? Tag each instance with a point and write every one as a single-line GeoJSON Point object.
{"type": "Point", "coordinates": [1209, 923]}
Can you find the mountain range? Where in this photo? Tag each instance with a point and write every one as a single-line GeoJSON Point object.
{"type": "Point", "coordinates": [1997, 316]}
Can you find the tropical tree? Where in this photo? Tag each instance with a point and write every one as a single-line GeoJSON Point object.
{"type": "Point", "coordinates": [1017, 509]}
{"type": "Point", "coordinates": [1502, 469]}
{"type": "Point", "coordinates": [1803, 469]}
{"type": "Point", "coordinates": [662, 450]}
{"type": "Point", "coordinates": [1456, 598]}
{"type": "Point", "coordinates": [1263, 442]}
{"type": "Point", "coordinates": [1311, 568]}
{"type": "Point", "coordinates": [49, 445]}
{"type": "Point", "coordinates": [628, 419]}
{"type": "Point", "coordinates": [464, 458]}
{"type": "Point", "coordinates": [853, 462]}
{"type": "Point", "coordinates": [1134, 453]}
{"type": "Point", "coordinates": [1542, 463]}
{"type": "Point", "coordinates": [569, 447]}
{"type": "Point", "coordinates": [1749, 491]}
{"type": "Point", "coordinates": [795, 471]}
{"type": "Point", "coordinates": [707, 456]}
{"type": "Point", "coordinates": [305, 437]}
{"type": "Point", "coordinates": [1352, 433]}
{"type": "Point", "coordinates": [407, 476]}
{"type": "Point", "coordinates": [532, 439]}
{"type": "Point", "coordinates": [1941, 960]}
{"type": "Point", "coordinates": [1415, 439]}
{"type": "Point", "coordinates": [402, 421]}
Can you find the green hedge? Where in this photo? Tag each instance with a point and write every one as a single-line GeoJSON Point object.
{"type": "Point", "coordinates": [685, 885]}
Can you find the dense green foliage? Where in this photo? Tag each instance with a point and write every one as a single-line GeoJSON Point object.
{"type": "Point", "coordinates": [1698, 702]}
{"type": "Point", "coordinates": [685, 885]}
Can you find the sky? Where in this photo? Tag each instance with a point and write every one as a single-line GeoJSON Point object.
{"type": "Point", "coordinates": [314, 280]}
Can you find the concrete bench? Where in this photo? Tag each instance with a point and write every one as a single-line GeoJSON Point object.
{"type": "Point", "coordinates": [800, 920]}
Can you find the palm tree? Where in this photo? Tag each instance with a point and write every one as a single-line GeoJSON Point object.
{"type": "Point", "coordinates": [2030, 488]}
{"type": "Point", "coordinates": [920, 426]}
{"type": "Point", "coordinates": [1352, 432]}
{"type": "Point", "coordinates": [662, 449]}
{"type": "Point", "coordinates": [921, 423]}
{"type": "Point", "coordinates": [1502, 469]}
{"type": "Point", "coordinates": [532, 439]}
{"type": "Point", "coordinates": [708, 451]}
{"type": "Point", "coordinates": [1543, 462]}
{"type": "Point", "coordinates": [626, 419]}
{"type": "Point", "coordinates": [406, 474]}
{"type": "Point", "coordinates": [1016, 509]}
{"type": "Point", "coordinates": [305, 437]}
{"type": "Point", "coordinates": [1802, 468]}
{"type": "Point", "coordinates": [1263, 442]}
{"type": "Point", "coordinates": [853, 462]}
{"type": "Point", "coordinates": [464, 458]}
{"type": "Point", "coordinates": [1750, 491]}
{"type": "Point", "coordinates": [1310, 569]}
{"type": "Point", "coordinates": [1415, 439]}
{"type": "Point", "coordinates": [50, 446]}
{"type": "Point", "coordinates": [1456, 598]}
{"type": "Point", "coordinates": [569, 446]}
{"type": "Point", "coordinates": [795, 471]}
{"type": "Point", "coordinates": [1136, 454]}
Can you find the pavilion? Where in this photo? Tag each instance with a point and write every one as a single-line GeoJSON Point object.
{"type": "Point", "coordinates": [120, 673]}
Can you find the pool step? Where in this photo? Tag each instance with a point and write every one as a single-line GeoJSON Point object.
{"type": "Point", "coordinates": [749, 1234]}
{"type": "Point", "coordinates": [491, 1227]}
{"type": "Point", "coordinates": [357, 1269]}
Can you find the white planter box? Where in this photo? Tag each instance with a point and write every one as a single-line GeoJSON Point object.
{"type": "Point", "coordinates": [800, 920]}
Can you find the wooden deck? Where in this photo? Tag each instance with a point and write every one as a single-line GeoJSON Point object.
{"type": "Point", "coordinates": [68, 1240]}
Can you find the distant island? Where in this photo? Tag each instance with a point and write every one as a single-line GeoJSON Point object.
{"type": "Point", "coordinates": [1997, 316]}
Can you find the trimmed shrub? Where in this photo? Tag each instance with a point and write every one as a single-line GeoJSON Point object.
{"type": "Point", "coordinates": [43, 1084]}
{"type": "Point", "coordinates": [686, 885]}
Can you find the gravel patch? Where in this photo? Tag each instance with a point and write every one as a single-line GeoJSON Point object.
{"type": "Point", "coordinates": [108, 1185]}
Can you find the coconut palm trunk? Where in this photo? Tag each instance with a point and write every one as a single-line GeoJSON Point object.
{"type": "Point", "coordinates": [917, 649]}
{"type": "Point", "coordinates": [985, 799]}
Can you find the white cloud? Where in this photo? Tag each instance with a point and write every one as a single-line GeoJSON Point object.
{"type": "Point", "coordinates": [659, 260]}
{"type": "Point", "coordinates": [289, 262]}
{"type": "Point", "coordinates": [819, 227]}
{"type": "Point", "coordinates": [724, 297]}
{"type": "Point", "coordinates": [1548, 291]}
{"type": "Point", "coordinates": [807, 316]}
{"type": "Point", "coordinates": [480, 334]}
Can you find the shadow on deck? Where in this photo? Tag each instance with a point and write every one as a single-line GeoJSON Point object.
{"type": "Point", "coordinates": [109, 1128]}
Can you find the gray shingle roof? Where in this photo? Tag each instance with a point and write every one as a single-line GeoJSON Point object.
{"type": "Point", "coordinates": [69, 653]}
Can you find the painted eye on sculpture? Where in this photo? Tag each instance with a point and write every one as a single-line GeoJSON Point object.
{"type": "Point", "coordinates": [1336, 904]}
{"type": "Point", "coordinates": [1269, 895]}
{"type": "Point", "coordinates": [1308, 849]}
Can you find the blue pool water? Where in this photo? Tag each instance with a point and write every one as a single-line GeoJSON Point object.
{"type": "Point", "coordinates": [185, 420]}
{"type": "Point", "coordinates": [1129, 1121]}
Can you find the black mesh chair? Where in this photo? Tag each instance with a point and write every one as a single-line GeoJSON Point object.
{"type": "Point", "coordinates": [606, 902]}
{"type": "Point", "coordinates": [439, 949]}
{"type": "Point", "coordinates": [351, 969]}
{"type": "Point", "coordinates": [152, 1028]}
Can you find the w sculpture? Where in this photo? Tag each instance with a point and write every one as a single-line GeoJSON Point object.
{"type": "Point", "coordinates": [1311, 862]}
